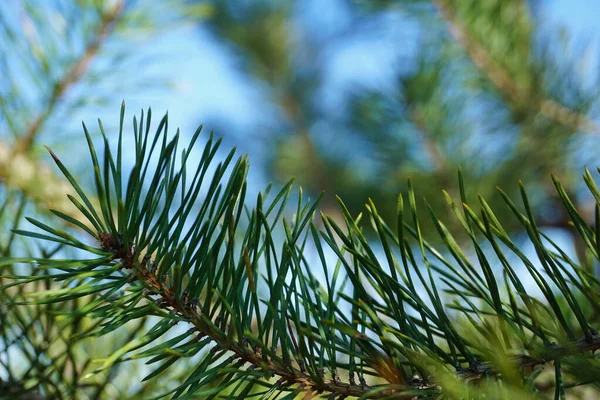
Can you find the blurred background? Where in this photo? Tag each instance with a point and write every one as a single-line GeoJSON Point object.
{"type": "Point", "coordinates": [351, 97]}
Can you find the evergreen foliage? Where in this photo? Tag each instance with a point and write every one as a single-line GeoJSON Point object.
{"type": "Point", "coordinates": [169, 279]}
{"type": "Point", "coordinates": [175, 253]}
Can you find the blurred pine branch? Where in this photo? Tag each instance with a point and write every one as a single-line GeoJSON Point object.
{"type": "Point", "coordinates": [518, 95]}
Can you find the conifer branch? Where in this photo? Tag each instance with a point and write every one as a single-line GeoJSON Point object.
{"type": "Point", "coordinates": [17, 169]}
{"type": "Point", "coordinates": [72, 76]}
{"type": "Point", "coordinates": [188, 265]}
{"type": "Point", "coordinates": [186, 309]}
{"type": "Point", "coordinates": [552, 353]}
{"type": "Point", "coordinates": [190, 312]}
{"type": "Point", "coordinates": [503, 81]}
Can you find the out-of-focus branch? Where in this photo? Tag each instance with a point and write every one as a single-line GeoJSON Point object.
{"type": "Point", "coordinates": [17, 169]}
{"type": "Point", "coordinates": [504, 82]}
{"type": "Point", "coordinates": [72, 76]}
{"type": "Point", "coordinates": [16, 391]}
{"type": "Point", "coordinates": [317, 167]}
{"type": "Point", "coordinates": [555, 352]}
{"type": "Point", "coordinates": [440, 162]}
{"type": "Point", "coordinates": [37, 181]}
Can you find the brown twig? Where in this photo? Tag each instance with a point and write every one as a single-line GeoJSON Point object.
{"type": "Point", "coordinates": [502, 80]}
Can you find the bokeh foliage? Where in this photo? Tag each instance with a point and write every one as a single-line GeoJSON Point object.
{"type": "Point", "coordinates": [485, 85]}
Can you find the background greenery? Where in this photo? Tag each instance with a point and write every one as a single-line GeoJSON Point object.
{"type": "Point", "coordinates": [481, 84]}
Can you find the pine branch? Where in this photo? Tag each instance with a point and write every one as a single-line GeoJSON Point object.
{"type": "Point", "coordinates": [551, 353]}
{"type": "Point", "coordinates": [187, 311]}
{"type": "Point", "coordinates": [17, 169]}
{"type": "Point", "coordinates": [160, 255]}
{"type": "Point", "coordinates": [72, 76]}
{"type": "Point", "coordinates": [503, 81]}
